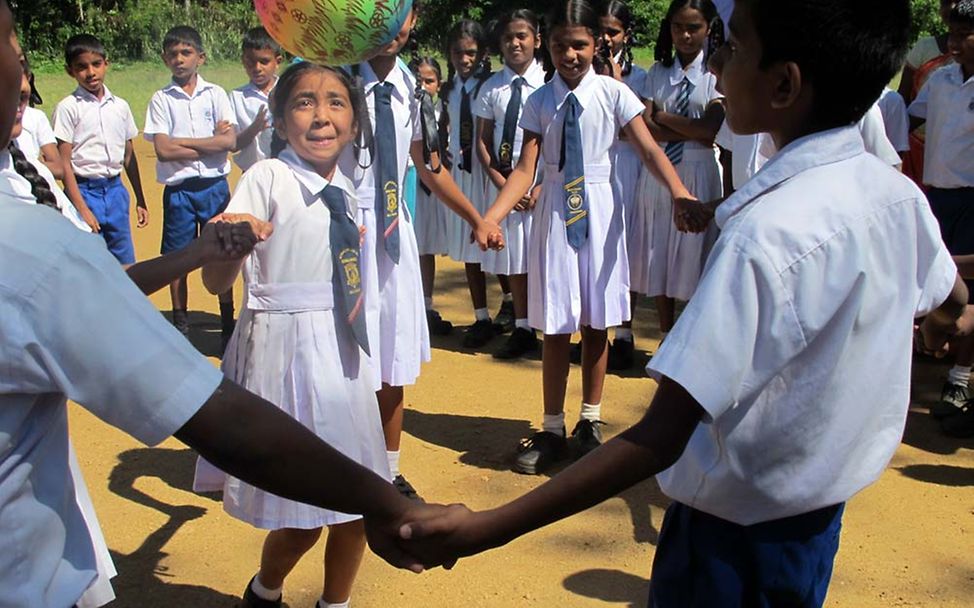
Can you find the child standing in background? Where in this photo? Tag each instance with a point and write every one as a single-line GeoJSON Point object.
{"type": "Point", "coordinates": [261, 57]}
{"type": "Point", "coordinates": [192, 127]}
{"type": "Point", "coordinates": [95, 129]}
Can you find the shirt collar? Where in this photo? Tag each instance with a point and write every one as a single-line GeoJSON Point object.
{"type": "Point", "coordinates": [397, 77]}
{"type": "Point", "coordinates": [469, 85]}
{"type": "Point", "coordinates": [693, 72]}
{"type": "Point", "coordinates": [956, 75]}
{"type": "Point", "coordinates": [583, 92]}
{"type": "Point", "coordinates": [201, 85]}
{"type": "Point", "coordinates": [510, 75]}
{"type": "Point", "coordinates": [311, 180]}
{"type": "Point", "coordinates": [808, 152]}
{"type": "Point", "coordinates": [86, 95]}
{"type": "Point", "coordinates": [251, 89]}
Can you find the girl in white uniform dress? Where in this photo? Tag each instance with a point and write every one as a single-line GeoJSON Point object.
{"type": "Point", "coordinates": [294, 344]}
{"type": "Point", "coordinates": [578, 276]}
{"type": "Point", "coordinates": [684, 111]}
{"type": "Point", "coordinates": [520, 42]}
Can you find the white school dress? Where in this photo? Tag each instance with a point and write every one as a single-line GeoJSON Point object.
{"type": "Point", "coordinates": [289, 346]}
{"type": "Point", "coordinates": [627, 165]}
{"type": "Point", "coordinates": [665, 261]}
{"type": "Point", "coordinates": [394, 305]}
{"type": "Point", "coordinates": [473, 184]}
{"type": "Point", "coordinates": [492, 106]}
{"type": "Point", "coordinates": [567, 288]}
{"type": "Point", "coordinates": [432, 217]}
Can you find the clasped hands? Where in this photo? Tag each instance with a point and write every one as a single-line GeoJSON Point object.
{"type": "Point", "coordinates": [231, 236]}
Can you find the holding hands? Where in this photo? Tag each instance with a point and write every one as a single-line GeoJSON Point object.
{"type": "Point", "coordinates": [690, 215]}
{"type": "Point", "coordinates": [488, 235]}
{"type": "Point", "coordinates": [231, 236]}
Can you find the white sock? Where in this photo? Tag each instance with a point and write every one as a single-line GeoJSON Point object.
{"type": "Point", "coordinates": [481, 314]}
{"type": "Point", "coordinates": [554, 423]}
{"type": "Point", "coordinates": [429, 303]}
{"type": "Point", "coordinates": [393, 462]}
{"type": "Point", "coordinates": [624, 333]}
{"type": "Point", "coordinates": [323, 604]}
{"type": "Point", "coordinates": [522, 324]}
{"type": "Point", "coordinates": [508, 297]}
{"type": "Point", "coordinates": [263, 592]}
{"type": "Point", "coordinates": [959, 375]}
{"type": "Point", "coordinates": [591, 412]}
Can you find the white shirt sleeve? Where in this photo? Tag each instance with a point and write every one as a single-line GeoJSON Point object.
{"type": "Point", "coordinates": [628, 105]}
{"type": "Point", "coordinates": [919, 106]}
{"type": "Point", "coordinates": [131, 131]}
{"type": "Point", "coordinates": [897, 121]}
{"type": "Point", "coordinates": [873, 131]}
{"type": "Point", "coordinates": [934, 264]}
{"type": "Point", "coordinates": [725, 137]}
{"type": "Point", "coordinates": [531, 114]}
{"type": "Point", "coordinates": [481, 107]}
{"type": "Point", "coordinates": [65, 120]}
{"type": "Point", "coordinates": [44, 134]}
{"type": "Point", "coordinates": [224, 111]}
{"type": "Point", "coordinates": [157, 117]}
{"type": "Point", "coordinates": [253, 192]}
{"type": "Point", "coordinates": [107, 348]}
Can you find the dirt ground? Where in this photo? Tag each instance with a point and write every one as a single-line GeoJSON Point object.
{"type": "Point", "coordinates": [907, 539]}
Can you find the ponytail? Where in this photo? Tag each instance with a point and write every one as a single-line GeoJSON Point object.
{"type": "Point", "coordinates": [39, 187]}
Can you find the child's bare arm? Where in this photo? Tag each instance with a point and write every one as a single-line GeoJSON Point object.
{"type": "Point", "coordinates": [52, 159]}
{"type": "Point", "coordinates": [224, 139]}
{"type": "Point", "coordinates": [965, 265]}
{"type": "Point", "coordinates": [658, 131]}
{"type": "Point", "coordinates": [248, 135]}
{"type": "Point", "coordinates": [520, 180]}
{"type": "Point", "coordinates": [168, 149]}
{"type": "Point", "coordinates": [655, 159]}
{"type": "Point", "coordinates": [952, 318]}
{"type": "Point", "coordinates": [703, 129]}
{"type": "Point", "coordinates": [71, 186]}
{"type": "Point", "coordinates": [484, 143]}
{"type": "Point", "coordinates": [131, 165]}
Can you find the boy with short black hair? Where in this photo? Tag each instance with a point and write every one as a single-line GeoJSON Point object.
{"type": "Point", "coordinates": [261, 56]}
{"type": "Point", "coordinates": [94, 129]}
{"type": "Point", "coordinates": [784, 385]}
{"type": "Point", "coordinates": [192, 128]}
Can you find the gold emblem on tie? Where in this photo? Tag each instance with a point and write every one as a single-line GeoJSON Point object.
{"type": "Point", "coordinates": [391, 190]}
{"type": "Point", "coordinates": [575, 191]}
{"type": "Point", "coordinates": [349, 260]}
{"type": "Point", "coordinates": [505, 152]}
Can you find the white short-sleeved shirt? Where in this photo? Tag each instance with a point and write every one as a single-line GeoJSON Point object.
{"type": "Point", "coordinates": [663, 86]}
{"type": "Point", "coordinates": [895, 118]}
{"type": "Point", "coordinates": [137, 373]}
{"type": "Point", "coordinates": [247, 102]}
{"type": "Point", "coordinates": [175, 113]}
{"type": "Point", "coordinates": [872, 128]}
{"type": "Point", "coordinates": [748, 152]}
{"type": "Point", "coordinates": [798, 340]}
{"type": "Point", "coordinates": [924, 50]}
{"type": "Point", "coordinates": [97, 130]}
{"type": "Point", "coordinates": [36, 134]}
{"type": "Point", "coordinates": [16, 187]}
{"type": "Point", "coordinates": [946, 101]}
{"type": "Point", "coordinates": [495, 94]}
{"type": "Point", "coordinates": [607, 106]}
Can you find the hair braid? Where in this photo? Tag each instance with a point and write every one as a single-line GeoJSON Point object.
{"type": "Point", "coordinates": [38, 185]}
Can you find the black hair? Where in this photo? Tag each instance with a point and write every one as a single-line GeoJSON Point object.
{"type": "Point", "coordinates": [466, 28]}
{"type": "Point", "coordinates": [962, 12]}
{"type": "Point", "coordinates": [521, 14]}
{"type": "Point", "coordinates": [183, 34]}
{"type": "Point", "coordinates": [285, 85]}
{"type": "Point", "coordinates": [847, 51]}
{"type": "Point", "coordinates": [575, 13]}
{"type": "Point", "coordinates": [39, 188]}
{"type": "Point", "coordinates": [257, 39]}
{"type": "Point", "coordinates": [621, 11]}
{"type": "Point", "coordinates": [664, 41]}
{"type": "Point", "coordinates": [415, 62]}
{"type": "Point", "coordinates": [82, 43]}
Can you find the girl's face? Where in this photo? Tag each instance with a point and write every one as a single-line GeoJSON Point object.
{"type": "Point", "coordinates": [613, 33]}
{"type": "Point", "coordinates": [428, 79]}
{"type": "Point", "coordinates": [518, 44]}
{"type": "Point", "coordinates": [572, 50]}
{"type": "Point", "coordinates": [960, 42]}
{"type": "Point", "coordinates": [18, 127]}
{"type": "Point", "coordinates": [11, 74]}
{"type": "Point", "coordinates": [464, 56]}
{"type": "Point", "coordinates": [689, 30]}
{"type": "Point", "coordinates": [319, 120]}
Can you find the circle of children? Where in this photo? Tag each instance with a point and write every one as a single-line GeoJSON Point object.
{"type": "Point", "coordinates": [810, 257]}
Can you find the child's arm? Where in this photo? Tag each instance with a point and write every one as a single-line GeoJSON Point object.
{"type": "Point", "coordinates": [248, 135]}
{"type": "Point", "coordinates": [486, 128]}
{"type": "Point", "coordinates": [224, 139]}
{"type": "Point", "coordinates": [703, 129]}
{"type": "Point", "coordinates": [652, 445]}
{"type": "Point", "coordinates": [131, 164]}
{"type": "Point", "coordinates": [52, 158]}
{"type": "Point", "coordinates": [951, 319]}
{"type": "Point", "coordinates": [655, 159]}
{"type": "Point", "coordinates": [167, 150]}
{"type": "Point", "coordinates": [658, 131]}
{"type": "Point", "coordinates": [519, 181]}
{"type": "Point", "coordinates": [71, 186]}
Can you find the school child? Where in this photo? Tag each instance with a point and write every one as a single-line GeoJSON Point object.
{"type": "Point", "coordinates": [618, 25]}
{"type": "Point", "coordinates": [192, 128]}
{"type": "Point", "coordinates": [94, 129]}
{"type": "Point", "coordinates": [578, 279]}
{"type": "Point", "coordinates": [394, 306]}
{"type": "Point", "coordinates": [946, 105]}
{"type": "Point", "coordinates": [261, 57]}
{"type": "Point", "coordinates": [772, 377]}
{"type": "Point", "coordinates": [498, 109]}
{"type": "Point", "coordinates": [432, 219]}
{"type": "Point", "coordinates": [896, 120]}
{"type": "Point", "coordinates": [682, 110]}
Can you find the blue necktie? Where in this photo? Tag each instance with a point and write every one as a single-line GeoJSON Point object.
{"type": "Point", "coordinates": [466, 132]}
{"type": "Point", "coordinates": [573, 167]}
{"type": "Point", "coordinates": [674, 149]}
{"type": "Point", "coordinates": [505, 155]}
{"type": "Point", "coordinates": [345, 251]}
{"type": "Point", "coordinates": [387, 184]}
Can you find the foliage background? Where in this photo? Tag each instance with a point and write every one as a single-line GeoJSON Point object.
{"type": "Point", "coordinates": [132, 30]}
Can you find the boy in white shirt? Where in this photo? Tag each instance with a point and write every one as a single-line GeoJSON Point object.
{"type": "Point", "coordinates": [946, 104]}
{"type": "Point", "coordinates": [784, 386]}
{"type": "Point", "coordinates": [192, 128]}
{"type": "Point", "coordinates": [95, 129]}
{"type": "Point", "coordinates": [261, 57]}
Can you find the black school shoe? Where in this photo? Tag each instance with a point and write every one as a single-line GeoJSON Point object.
{"type": "Point", "coordinates": [953, 397]}
{"type": "Point", "coordinates": [504, 321]}
{"type": "Point", "coordinates": [587, 436]}
{"type": "Point", "coordinates": [539, 451]}
{"type": "Point", "coordinates": [521, 342]}
{"type": "Point", "coordinates": [622, 355]}
{"type": "Point", "coordinates": [478, 334]}
{"type": "Point", "coordinates": [437, 325]}
{"type": "Point", "coordinates": [961, 424]}
{"type": "Point", "coordinates": [251, 600]}
{"type": "Point", "coordinates": [406, 489]}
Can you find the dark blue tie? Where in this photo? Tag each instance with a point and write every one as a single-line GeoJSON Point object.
{"type": "Point", "coordinates": [505, 155]}
{"type": "Point", "coordinates": [466, 132]}
{"type": "Point", "coordinates": [387, 182]}
{"type": "Point", "coordinates": [674, 149]}
{"type": "Point", "coordinates": [345, 253]}
{"type": "Point", "coordinates": [573, 167]}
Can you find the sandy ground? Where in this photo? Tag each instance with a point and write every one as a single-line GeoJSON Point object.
{"type": "Point", "coordinates": [907, 539]}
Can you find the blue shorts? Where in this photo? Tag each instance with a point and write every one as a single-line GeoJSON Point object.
{"type": "Point", "coordinates": [954, 210]}
{"type": "Point", "coordinates": [188, 206]}
{"type": "Point", "coordinates": [109, 202]}
{"type": "Point", "coordinates": [703, 561]}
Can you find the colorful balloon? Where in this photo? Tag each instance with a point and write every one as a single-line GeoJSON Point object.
{"type": "Point", "coordinates": [333, 32]}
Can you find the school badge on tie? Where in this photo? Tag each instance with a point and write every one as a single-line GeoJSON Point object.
{"type": "Point", "coordinates": [391, 190]}
{"type": "Point", "coordinates": [505, 153]}
{"type": "Point", "coordinates": [573, 166]}
{"type": "Point", "coordinates": [348, 258]}
{"type": "Point", "coordinates": [575, 201]}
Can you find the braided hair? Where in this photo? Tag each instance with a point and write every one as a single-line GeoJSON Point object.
{"type": "Point", "coordinates": [664, 41]}
{"type": "Point", "coordinates": [39, 188]}
{"type": "Point", "coordinates": [575, 13]}
{"type": "Point", "coordinates": [466, 28]}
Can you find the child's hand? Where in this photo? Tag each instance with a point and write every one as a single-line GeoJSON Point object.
{"type": "Point", "coordinates": [231, 236]}
{"type": "Point", "coordinates": [485, 233]}
{"type": "Point", "coordinates": [361, 236]}
{"type": "Point", "coordinates": [91, 220]}
{"type": "Point", "coordinates": [690, 215]}
{"type": "Point", "coordinates": [496, 241]}
{"type": "Point", "coordinates": [933, 335]}
{"type": "Point", "coordinates": [142, 212]}
{"type": "Point", "coordinates": [222, 127]}
{"type": "Point", "coordinates": [260, 121]}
